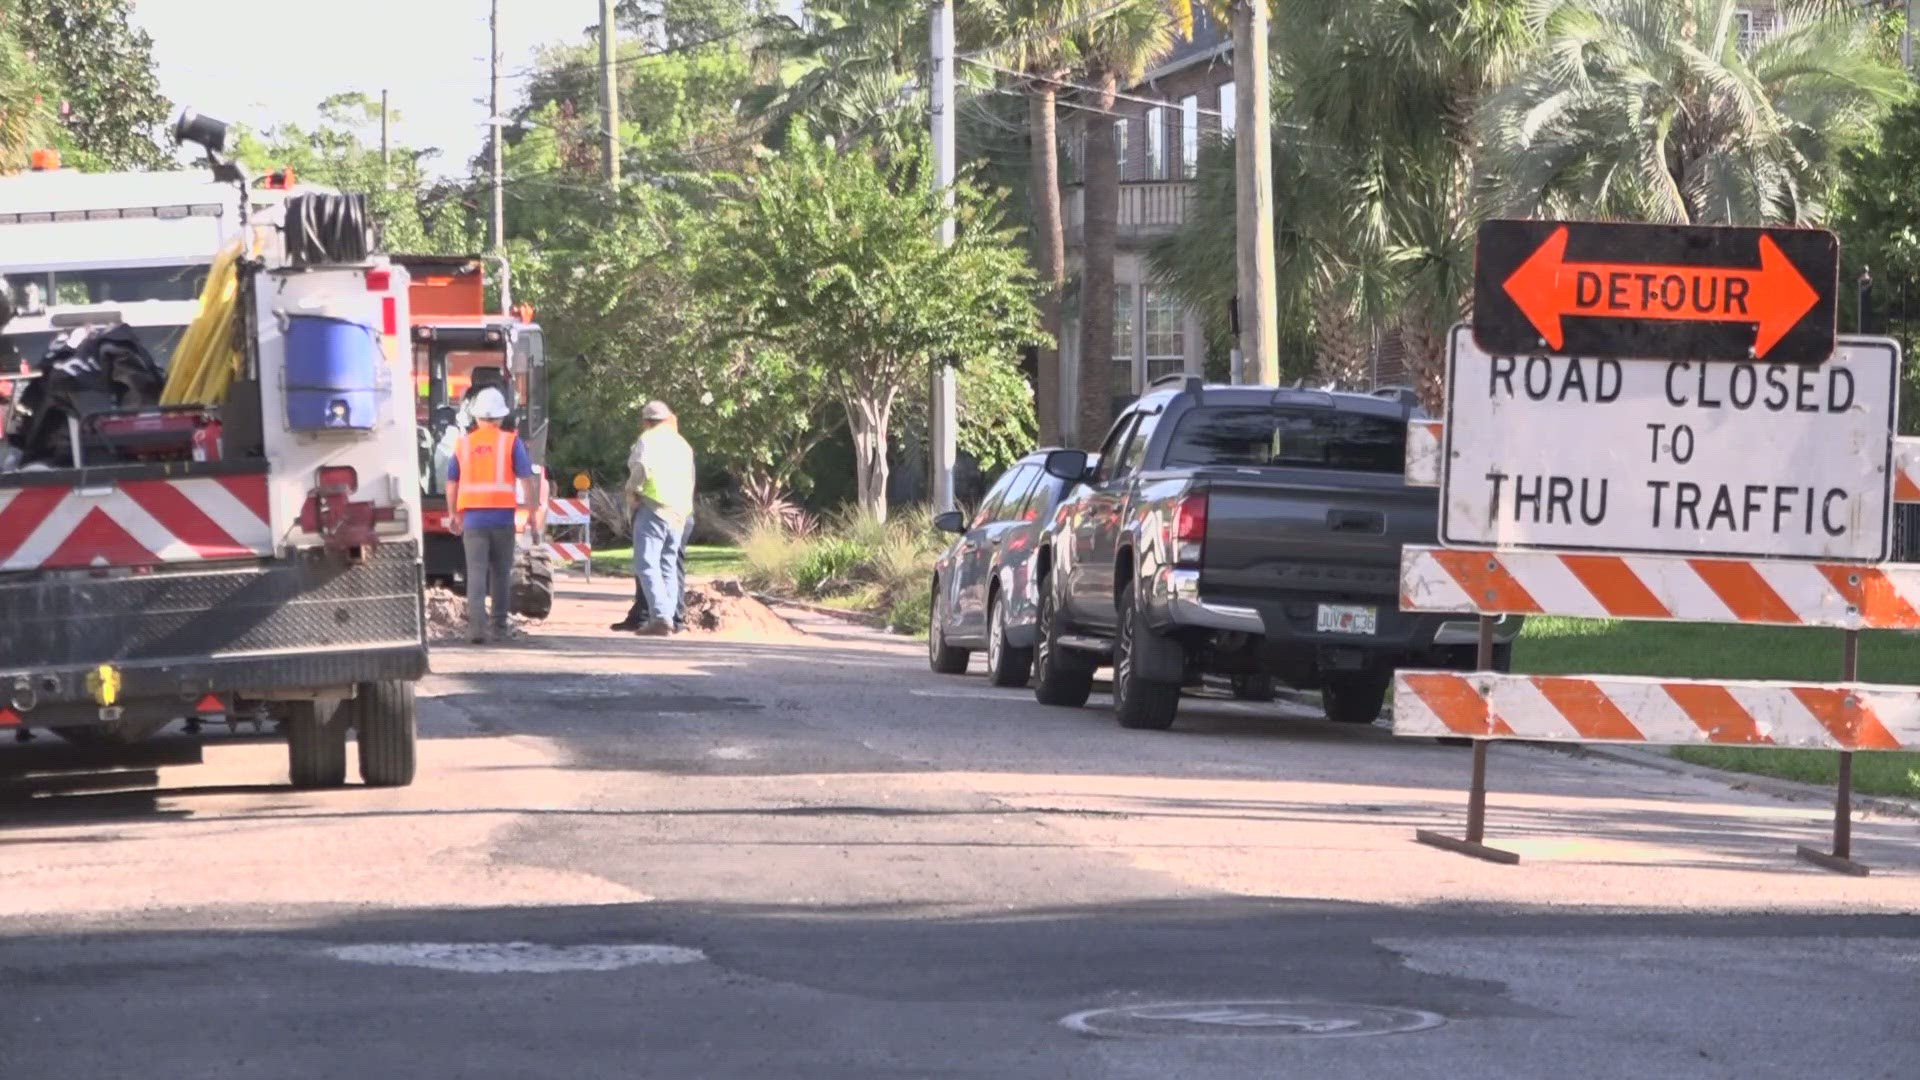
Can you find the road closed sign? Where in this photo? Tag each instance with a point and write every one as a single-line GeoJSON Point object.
{"type": "Point", "coordinates": [1773, 460]}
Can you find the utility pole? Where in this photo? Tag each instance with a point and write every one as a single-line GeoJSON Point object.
{"type": "Point", "coordinates": [609, 100]}
{"type": "Point", "coordinates": [386, 159]}
{"type": "Point", "coordinates": [497, 233]}
{"type": "Point", "coordinates": [1253, 158]}
{"type": "Point", "coordinates": [945, 411]}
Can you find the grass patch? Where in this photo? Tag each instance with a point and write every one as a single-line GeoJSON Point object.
{"type": "Point", "coordinates": [1559, 646]}
{"type": "Point", "coordinates": [703, 560]}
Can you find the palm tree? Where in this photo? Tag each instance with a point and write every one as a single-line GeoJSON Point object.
{"type": "Point", "coordinates": [1037, 45]}
{"type": "Point", "coordinates": [1659, 111]}
{"type": "Point", "coordinates": [1115, 50]}
{"type": "Point", "coordinates": [848, 73]}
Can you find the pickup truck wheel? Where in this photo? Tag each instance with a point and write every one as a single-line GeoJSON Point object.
{"type": "Point", "coordinates": [316, 745]}
{"type": "Point", "coordinates": [1060, 678]}
{"type": "Point", "coordinates": [386, 725]}
{"type": "Point", "coordinates": [1006, 665]}
{"type": "Point", "coordinates": [1141, 705]}
{"type": "Point", "coordinates": [941, 657]}
{"type": "Point", "coordinates": [1354, 699]}
{"type": "Point", "coordinates": [1253, 688]}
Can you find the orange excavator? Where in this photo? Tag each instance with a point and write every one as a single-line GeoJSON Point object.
{"type": "Point", "coordinates": [459, 347]}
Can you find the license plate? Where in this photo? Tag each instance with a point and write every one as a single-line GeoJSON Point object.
{"type": "Point", "coordinates": [1349, 619]}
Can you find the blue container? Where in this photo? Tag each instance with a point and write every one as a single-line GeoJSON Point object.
{"type": "Point", "coordinates": [333, 374]}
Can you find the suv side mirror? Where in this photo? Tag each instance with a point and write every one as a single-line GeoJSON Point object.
{"type": "Point", "coordinates": [953, 521]}
{"type": "Point", "coordinates": [1068, 465]}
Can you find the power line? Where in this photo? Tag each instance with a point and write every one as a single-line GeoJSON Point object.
{"type": "Point", "coordinates": [1084, 88]}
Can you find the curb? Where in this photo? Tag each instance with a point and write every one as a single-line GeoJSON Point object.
{"type": "Point", "coordinates": [1766, 785]}
{"type": "Point", "coordinates": [871, 622]}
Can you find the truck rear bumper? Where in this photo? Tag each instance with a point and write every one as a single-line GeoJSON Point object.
{"type": "Point", "coordinates": [1174, 601]}
{"type": "Point", "coordinates": [314, 622]}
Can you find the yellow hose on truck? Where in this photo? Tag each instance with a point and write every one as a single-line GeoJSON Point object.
{"type": "Point", "coordinates": [208, 358]}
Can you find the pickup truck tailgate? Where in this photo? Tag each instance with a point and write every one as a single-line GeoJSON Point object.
{"type": "Point", "coordinates": [1288, 543]}
{"type": "Point", "coordinates": [1289, 532]}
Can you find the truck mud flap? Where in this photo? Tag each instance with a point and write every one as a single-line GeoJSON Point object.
{"type": "Point", "coordinates": [318, 620]}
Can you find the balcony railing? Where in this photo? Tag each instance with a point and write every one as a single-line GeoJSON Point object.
{"type": "Point", "coordinates": [1147, 210]}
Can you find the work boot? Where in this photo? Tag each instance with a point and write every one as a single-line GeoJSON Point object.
{"type": "Point", "coordinates": [625, 626]}
{"type": "Point", "coordinates": [657, 628]}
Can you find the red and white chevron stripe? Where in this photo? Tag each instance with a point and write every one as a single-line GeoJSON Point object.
{"type": "Point", "coordinates": [1666, 712]}
{"type": "Point", "coordinates": [134, 523]}
{"type": "Point", "coordinates": [570, 553]}
{"type": "Point", "coordinates": [1660, 587]}
{"type": "Point", "coordinates": [569, 512]}
{"type": "Point", "coordinates": [1426, 443]}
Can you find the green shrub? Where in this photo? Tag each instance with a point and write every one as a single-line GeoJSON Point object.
{"type": "Point", "coordinates": [884, 567]}
{"type": "Point", "coordinates": [769, 554]}
{"type": "Point", "coordinates": [828, 565]}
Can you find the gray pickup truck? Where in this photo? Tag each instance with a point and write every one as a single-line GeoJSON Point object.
{"type": "Point", "coordinates": [1245, 532]}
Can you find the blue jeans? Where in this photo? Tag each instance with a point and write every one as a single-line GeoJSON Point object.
{"type": "Point", "coordinates": [657, 543]}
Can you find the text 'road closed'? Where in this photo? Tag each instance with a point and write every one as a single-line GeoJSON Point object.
{"type": "Point", "coordinates": [1774, 460]}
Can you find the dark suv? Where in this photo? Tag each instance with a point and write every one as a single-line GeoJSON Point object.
{"type": "Point", "coordinates": [1243, 531]}
{"type": "Point", "coordinates": [982, 592]}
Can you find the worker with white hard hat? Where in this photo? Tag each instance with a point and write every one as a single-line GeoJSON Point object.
{"type": "Point", "coordinates": [489, 478]}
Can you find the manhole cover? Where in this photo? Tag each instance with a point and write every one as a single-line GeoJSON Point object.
{"type": "Point", "coordinates": [515, 957]}
{"type": "Point", "coordinates": [1250, 1019]}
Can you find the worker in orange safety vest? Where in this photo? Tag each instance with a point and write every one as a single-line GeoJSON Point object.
{"type": "Point", "coordinates": [489, 477]}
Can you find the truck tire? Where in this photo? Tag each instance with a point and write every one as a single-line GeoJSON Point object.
{"type": "Point", "coordinates": [1354, 699]}
{"type": "Point", "coordinates": [121, 732]}
{"type": "Point", "coordinates": [1060, 678]}
{"type": "Point", "coordinates": [1141, 705]}
{"type": "Point", "coordinates": [1253, 688]}
{"type": "Point", "coordinates": [533, 583]}
{"type": "Point", "coordinates": [944, 659]}
{"type": "Point", "coordinates": [316, 745]}
{"type": "Point", "coordinates": [1006, 665]}
{"type": "Point", "coordinates": [386, 725]}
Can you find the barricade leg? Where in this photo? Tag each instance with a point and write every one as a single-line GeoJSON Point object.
{"type": "Point", "coordinates": [1477, 795]}
{"type": "Point", "coordinates": [1840, 859]}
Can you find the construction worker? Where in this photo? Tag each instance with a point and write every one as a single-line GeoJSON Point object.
{"type": "Point", "coordinates": [488, 479]}
{"type": "Point", "coordinates": [660, 491]}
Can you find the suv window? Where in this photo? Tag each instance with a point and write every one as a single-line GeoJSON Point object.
{"type": "Point", "coordinates": [1260, 436]}
{"type": "Point", "coordinates": [1110, 463]}
{"type": "Point", "coordinates": [996, 500]}
{"type": "Point", "coordinates": [1136, 451]}
{"type": "Point", "coordinates": [1039, 500]}
{"type": "Point", "coordinates": [1015, 503]}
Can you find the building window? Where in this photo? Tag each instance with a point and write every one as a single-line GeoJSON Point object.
{"type": "Point", "coordinates": [1165, 337]}
{"type": "Point", "coordinates": [1156, 143]}
{"type": "Point", "coordinates": [1229, 108]}
{"type": "Point", "coordinates": [1123, 338]}
{"type": "Point", "coordinates": [1189, 134]}
{"type": "Point", "coordinates": [1120, 146]}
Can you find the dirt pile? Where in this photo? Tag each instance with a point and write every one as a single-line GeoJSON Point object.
{"type": "Point", "coordinates": [723, 607]}
{"type": "Point", "coordinates": [447, 616]}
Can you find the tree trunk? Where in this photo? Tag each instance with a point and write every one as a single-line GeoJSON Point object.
{"type": "Point", "coordinates": [1049, 252]}
{"type": "Point", "coordinates": [867, 419]}
{"type": "Point", "coordinates": [1253, 192]}
{"type": "Point", "coordinates": [1341, 354]}
{"type": "Point", "coordinates": [1102, 201]}
{"type": "Point", "coordinates": [1426, 357]}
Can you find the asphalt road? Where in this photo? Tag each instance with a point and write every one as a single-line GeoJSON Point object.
{"type": "Point", "coordinates": [811, 858]}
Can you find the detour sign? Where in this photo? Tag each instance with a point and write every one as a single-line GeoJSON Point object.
{"type": "Point", "coordinates": [1624, 291]}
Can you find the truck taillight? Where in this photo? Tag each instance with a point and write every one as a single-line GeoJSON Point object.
{"type": "Point", "coordinates": [1190, 529]}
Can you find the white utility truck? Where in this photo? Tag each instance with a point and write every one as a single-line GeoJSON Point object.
{"type": "Point", "coordinates": [210, 491]}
